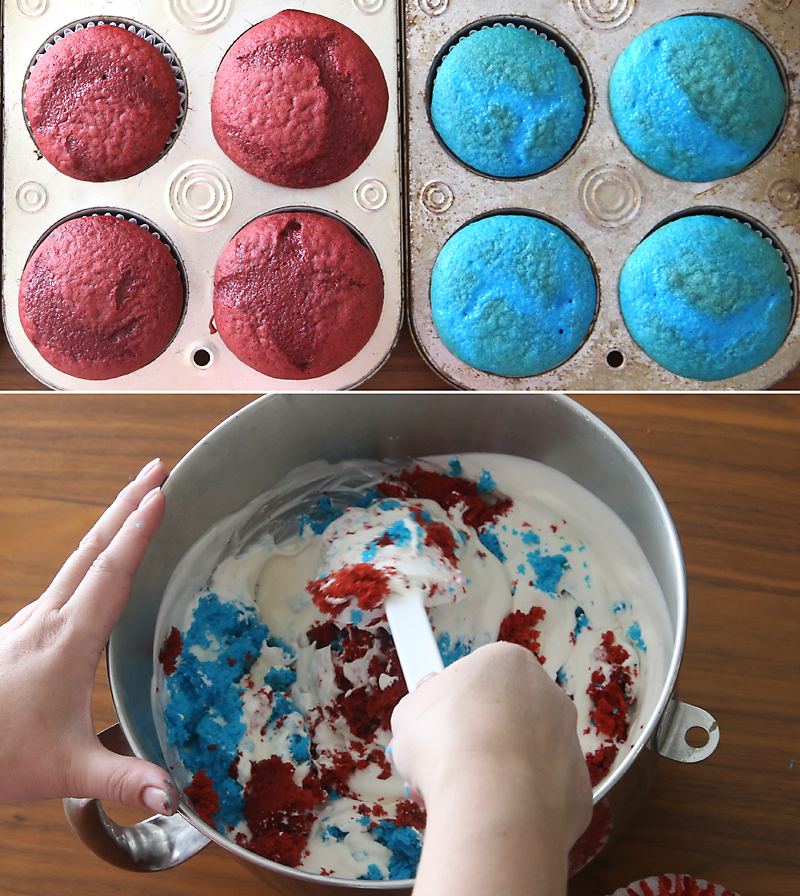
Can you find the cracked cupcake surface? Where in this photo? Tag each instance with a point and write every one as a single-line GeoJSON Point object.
{"type": "Point", "coordinates": [299, 101]}
{"type": "Point", "coordinates": [697, 98]}
{"type": "Point", "coordinates": [297, 295]}
{"type": "Point", "coordinates": [102, 104]}
{"type": "Point", "coordinates": [101, 297]}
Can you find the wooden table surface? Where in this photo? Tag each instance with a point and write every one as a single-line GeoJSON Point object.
{"type": "Point", "coordinates": [404, 370]}
{"type": "Point", "coordinates": [727, 466]}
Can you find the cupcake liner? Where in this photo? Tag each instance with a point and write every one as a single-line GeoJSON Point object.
{"type": "Point", "coordinates": [673, 885]}
{"type": "Point", "coordinates": [540, 30]}
{"type": "Point", "coordinates": [140, 31]}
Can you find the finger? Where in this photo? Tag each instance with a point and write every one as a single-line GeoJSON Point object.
{"type": "Point", "coordinates": [98, 538]}
{"type": "Point", "coordinates": [99, 599]}
{"type": "Point", "coordinates": [124, 780]}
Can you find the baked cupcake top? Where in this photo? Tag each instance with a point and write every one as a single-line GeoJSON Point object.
{"type": "Point", "coordinates": [296, 295]}
{"type": "Point", "coordinates": [100, 297]}
{"type": "Point", "coordinates": [507, 102]}
{"type": "Point", "coordinates": [697, 98]}
{"type": "Point", "coordinates": [706, 297]}
{"type": "Point", "coordinates": [512, 295]}
{"type": "Point", "coordinates": [102, 104]}
{"type": "Point", "coordinates": [299, 101]}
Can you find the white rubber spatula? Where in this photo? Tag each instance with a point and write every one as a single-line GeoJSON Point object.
{"type": "Point", "coordinates": [413, 636]}
{"type": "Point", "coordinates": [379, 559]}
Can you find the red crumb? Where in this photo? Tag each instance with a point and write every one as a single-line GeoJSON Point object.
{"type": "Point", "coordinates": [612, 652]}
{"type": "Point", "coordinates": [324, 634]}
{"type": "Point", "coordinates": [366, 710]}
{"type": "Point", "coordinates": [440, 535]}
{"type": "Point", "coordinates": [169, 653]}
{"type": "Point", "coordinates": [278, 811]}
{"type": "Point", "coordinates": [368, 585]}
{"type": "Point", "coordinates": [447, 491]}
{"type": "Point", "coordinates": [409, 814]}
{"type": "Point", "coordinates": [599, 763]}
{"type": "Point", "coordinates": [233, 769]}
{"type": "Point", "coordinates": [520, 628]}
{"type": "Point", "coordinates": [611, 698]}
{"type": "Point", "coordinates": [203, 797]}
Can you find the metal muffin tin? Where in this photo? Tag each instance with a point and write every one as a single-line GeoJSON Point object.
{"type": "Point", "coordinates": [195, 196]}
{"type": "Point", "coordinates": [600, 193]}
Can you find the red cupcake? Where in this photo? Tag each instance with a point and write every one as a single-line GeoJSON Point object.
{"type": "Point", "coordinates": [296, 295]}
{"type": "Point", "coordinates": [299, 101]}
{"type": "Point", "coordinates": [102, 103]}
{"type": "Point", "coordinates": [100, 297]}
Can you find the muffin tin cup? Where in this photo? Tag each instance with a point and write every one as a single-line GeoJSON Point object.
{"type": "Point", "coordinates": [194, 195]}
{"type": "Point", "coordinates": [601, 193]}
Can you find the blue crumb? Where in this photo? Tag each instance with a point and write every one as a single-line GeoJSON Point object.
{"type": "Point", "coordinates": [334, 833]}
{"type": "Point", "coordinates": [581, 621]}
{"type": "Point", "coordinates": [492, 544]}
{"type": "Point", "coordinates": [455, 467]}
{"type": "Point", "coordinates": [373, 873]}
{"type": "Point", "coordinates": [406, 846]}
{"type": "Point", "coordinates": [530, 538]}
{"type": "Point", "coordinates": [452, 652]}
{"type": "Point", "coordinates": [486, 483]}
{"type": "Point", "coordinates": [548, 568]}
{"type": "Point", "coordinates": [634, 635]}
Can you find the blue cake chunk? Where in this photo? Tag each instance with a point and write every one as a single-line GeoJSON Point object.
{"type": "Point", "coordinates": [706, 297]}
{"type": "Point", "coordinates": [512, 295]}
{"type": "Point", "coordinates": [697, 98]}
{"type": "Point", "coordinates": [507, 102]}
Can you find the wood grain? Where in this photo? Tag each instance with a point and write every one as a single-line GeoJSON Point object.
{"type": "Point", "coordinates": [727, 466]}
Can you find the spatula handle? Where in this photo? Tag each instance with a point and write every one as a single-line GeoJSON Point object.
{"type": "Point", "coordinates": [413, 637]}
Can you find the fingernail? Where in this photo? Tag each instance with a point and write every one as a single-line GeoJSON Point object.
{"type": "Point", "coordinates": [149, 496]}
{"type": "Point", "coordinates": [426, 678]}
{"type": "Point", "coordinates": [147, 468]}
{"type": "Point", "coordinates": [155, 799]}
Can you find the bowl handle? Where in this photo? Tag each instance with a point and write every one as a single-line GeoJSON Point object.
{"type": "Point", "coordinates": [678, 719]}
{"type": "Point", "coordinates": [155, 844]}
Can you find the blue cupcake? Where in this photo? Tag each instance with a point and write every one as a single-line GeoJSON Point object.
{"type": "Point", "coordinates": [507, 102]}
{"type": "Point", "coordinates": [512, 295]}
{"type": "Point", "coordinates": [706, 297]}
{"type": "Point", "coordinates": [697, 98]}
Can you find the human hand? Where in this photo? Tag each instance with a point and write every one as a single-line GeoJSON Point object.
{"type": "Point", "coordinates": [49, 654]}
{"type": "Point", "coordinates": [495, 717]}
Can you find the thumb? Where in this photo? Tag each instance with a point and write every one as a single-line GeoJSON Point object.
{"type": "Point", "coordinates": [127, 781]}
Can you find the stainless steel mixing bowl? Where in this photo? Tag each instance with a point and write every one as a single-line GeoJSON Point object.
{"type": "Point", "coordinates": [249, 452]}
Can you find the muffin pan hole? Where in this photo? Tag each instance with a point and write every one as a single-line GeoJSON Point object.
{"type": "Point", "coordinates": [141, 31]}
{"type": "Point", "coordinates": [201, 356]}
{"type": "Point", "coordinates": [544, 31]}
{"type": "Point", "coordinates": [615, 359]}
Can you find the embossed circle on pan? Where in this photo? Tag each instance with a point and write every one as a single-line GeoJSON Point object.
{"type": "Point", "coordinates": [141, 31]}
{"type": "Point", "coordinates": [200, 195]}
{"type": "Point", "coordinates": [200, 15]}
{"type": "Point", "coordinates": [31, 196]}
{"type": "Point", "coordinates": [785, 194]}
{"type": "Point", "coordinates": [777, 5]}
{"type": "Point", "coordinates": [552, 36]}
{"type": "Point", "coordinates": [33, 7]}
{"type": "Point", "coordinates": [369, 7]}
{"type": "Point", "coordinates": [433, 7]}
{"type": "Point", "coordinates": [371, 195]}
{"type": "Point", "coordinates": [609, 196]}
{"type": "Point", "coordinates": [437, 197]}
{"type": "Point", "coordinates": [605, 13]}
